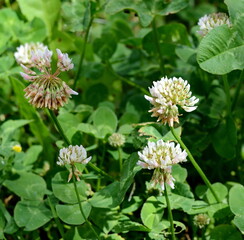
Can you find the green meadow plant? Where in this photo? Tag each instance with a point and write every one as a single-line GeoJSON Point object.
{"type": "Point", "coordinates": [102, 136]}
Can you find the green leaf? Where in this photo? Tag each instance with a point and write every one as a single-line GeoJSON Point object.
{"type": "Point", "coordinates": [37, 126]}
{"type": "Point", "coordinates": [152, 212]}
{"type": "Point", "coordinates": [32, 154]}
{"type": "Point", "coordinates": [105, 120]}
{"type": "Point", "coordinates": [65, 191]}
{"type": "Point", "coordinates": [239, 222]}
{"type": "Point", "coordinates": [28, 186]}
{"type": "Point", "coordinates": [34, 31]}
{"type": "Point", "coordinates": [71, 214]}
{"type": "Point", "coordinates": [224, 138]}
{"type": "Point", "coordinates": [220, 52]}
{"type": "Point", "coordinates": [236, 200]}
{"type": "Point", "coordinates": [46, 10]}
{"type": "Point", "coordinates": [113, 194]}
{"type": "Point", "coordinates": [9, 127]}
{"type": "Point", "coordinates": [170, 36]}
{"type": "Point", "coordinates": [31, 214]}
{"type": "Point", "coordinates": [221, 191]}
{"type": "Point", "coordinates": [179, 173]}
{"type": "Point", "coordinates": [225, 231]}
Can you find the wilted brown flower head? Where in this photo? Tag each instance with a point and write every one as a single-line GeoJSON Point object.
{"type": "Point", "coordinates": [46, 88]}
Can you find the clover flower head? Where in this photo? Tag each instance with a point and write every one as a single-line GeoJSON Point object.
{"type": "Point", "coordinates": [201, 220]}
{"type": "Point", "coordinates": [24, 52]}
{"type": "Point", "coordinates": [73, 154]}
{"type": "Point", "coordinates": [161, 156]}
{"type": "Point", "coordinates": [208, 22]}
{"type": "Point", "coordinates": [46, 88]}
{"type": "Point", "coordinates": [116, 140]}
{"type": "Point", "coordinates": [166, 95]}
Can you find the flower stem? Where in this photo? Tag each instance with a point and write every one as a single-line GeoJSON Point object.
{"type": "Point", "coordinates": [196, 166]}
{"type": "Point", "coordinates": [227, 92]}
{"type": "Point", "coordinates": [156, 40]}
{"type": "Point", "coordinates": [67, 142]}
{"type": "Point", "coordinates": [79, 203]}
{"type": "Point", "coordinates": [237, 92]}
{"type": "Point", "coordinates": [56, 219]}
{"type": "Point", "coordinates": [172, 229]}
{"type": "Point", "coordinates": [82, 53]}
{"type": "Point", "coordinates": [120, 159]}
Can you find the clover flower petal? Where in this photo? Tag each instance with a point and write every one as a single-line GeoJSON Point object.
{"type": "Point", "coordinates": [166, 95]}
{"type": "Point", "coordinates": [161, 156]}
{"type": "Point", "coordinates": [209, 22]}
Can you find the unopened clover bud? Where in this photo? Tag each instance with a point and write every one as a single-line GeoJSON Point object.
{"type": "Point", "coordinates": [116, 140]}
{"type": "Point", "coordinates": [201, 220]}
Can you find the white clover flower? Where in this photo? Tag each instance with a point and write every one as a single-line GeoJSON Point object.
{"type": "Point", "coordinates": [208, 22]}
{"type": "Point", "coordinates": [167, 95]}
{"type": "Point", "coordinates": [24, 52]}
{"type": "Point", "coordinates": [47, 89]}
{"type": "Point", "coordinates": [201, 220]}
{"type": "Point", "coordinates": [64, 62]}
{"type": "Point", "coordinates": [160, 156]}
{"type": "Point", "coordinates": [116, 140]}
{"type": "Point", "coordinates": [73, 154]}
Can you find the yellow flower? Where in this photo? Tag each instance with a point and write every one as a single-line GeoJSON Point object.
{"type": "Point", "coordinates": [17, 148]}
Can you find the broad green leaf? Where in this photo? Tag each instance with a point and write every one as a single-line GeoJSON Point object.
{"type": "Point", "coordinates": [236, 200]}
{"type": "Point", "coordinates": [179, 173]}
{"type": "Point", "coordinates": [150, 131]}
{"type": "Point", "coordinates": [32, 154]}
{"type": "Point", "coordinates": [132, 205]}
{"type": "Point", "coordinates": [9, 127]}
{"type": "Point", "coordinates": [113, 194]}
{"type": "Point", "coordinates": [34, 31]}
{"type": "Point", "coordinates": [37, 126]}
{"type": "Point", "coordinates": [170, 36]}
{"type": "Point", "coordinates": [152, 212]}
{"type": "Point", "coordinates": [239, 222]}
{"type": "Point", "coordinates": [224, 138]}
{"type": "Point", "coordinates": [225, 231]}
{"type": "Point", "coordinates": [71, 214]}
{"type": "Point", "coordinates": [220, 52]}
{"type": "Point", "coordinates": [105, 120]}
{"type": "Point", "coordinates": [65, 191]}
{"type": "Point", "coordinates": [221, 191]}
{"type": "Point", "coordinates": [106, 219]}
{"type": "Point", "coordinates": [28, 186]}
{"type": "Point", "coordinates": [46, 10]}
{"type": "Point", "coordinates": [31, 214]}
{"type": "Point", "coordinates": [128, 225]}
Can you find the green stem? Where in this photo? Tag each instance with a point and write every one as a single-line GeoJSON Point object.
{"type": "Point", "coordinates": [120, 159]}
{"type": "Point", "coordinates": [227, 92]}
{"type": "Point", "coordinates": [172, 229]}
{"type": "Point", "coordinates": [56, 219]}
{"type": "Point", "coordinates": [133, 84]}
{"type": "Point", "coordinates": [82, 53]}
{"type": "Point", "coordinates": [79, 203]}
{"type": "Point", "coordinates": [67, 142]}
{"type": "Point", "coordinates": [194, 163]}
{"type": "Point", "coordinates": [7, 3]}
{"type": "Point", "coordinates": [156, 40]}
{"type": "Point", "coordinates": [237, 92]}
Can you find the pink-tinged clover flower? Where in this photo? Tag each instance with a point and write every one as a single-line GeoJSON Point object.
{"type": "Point", "coordinates": [47, 90]}
{"type": "Point", "coordinates": [209, 22]}
{"type": "Point", "coordinates": [160, 156]}
{"type": "Point", "coordinates": [166, 95]}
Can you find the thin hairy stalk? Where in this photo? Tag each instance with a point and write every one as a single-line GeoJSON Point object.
{"type": "Point", "coordinates": [227, 93]}
{"type": "Point", "coordinates": [101, 164]}
{"type": "Point", "coordinates": [133, 84]}
{"type": "Point", "coordinates": [79, 203]}
{"type": "Point", "coordinates": [82, 53]}
{"type": "Point", "coordinates": [67, 142]}
{"type": "Point", "coordinates": [237, 92]}
{"type": "Point", "coordinates": [172, 229]}
{"type": "Point", "coordinates": [156, 40]}
{"type": "Point", "coordinates": [120, 159]}
{"type": "Point", "coordinates": [56, 219]}
{"type": "Point", "coordinates": [196, 166]}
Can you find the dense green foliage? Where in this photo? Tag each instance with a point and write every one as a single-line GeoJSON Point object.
{"type": "Point", "coordinates": [119, 47]}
